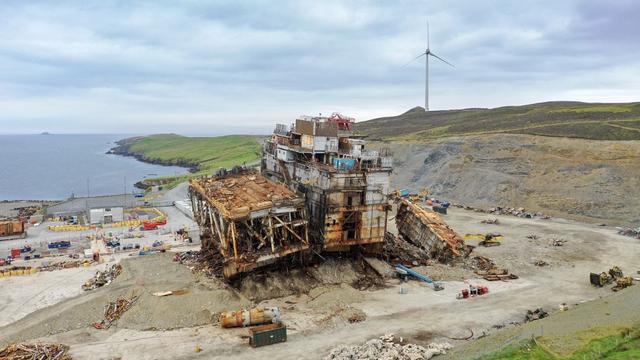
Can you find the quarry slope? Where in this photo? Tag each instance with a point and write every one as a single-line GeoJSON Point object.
{"type": "Point", "coordinates": [594, 181]}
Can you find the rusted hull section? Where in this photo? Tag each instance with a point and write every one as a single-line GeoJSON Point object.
{"type": "Point", "coordinates": [427, 230]}
{"type": "Point", "coordinates": [249, 221]}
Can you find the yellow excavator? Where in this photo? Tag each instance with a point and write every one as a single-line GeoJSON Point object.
{"type": "Point", "coordinates": [486, 240]}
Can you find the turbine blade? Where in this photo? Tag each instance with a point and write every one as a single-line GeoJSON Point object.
{"type": "Point", "coordinates": [415, 58]}
{"type": "Point", "coordinates": [441, 59]}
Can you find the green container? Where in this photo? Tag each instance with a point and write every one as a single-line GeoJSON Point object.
{"type": "Point", "coordinates": [267, 334]}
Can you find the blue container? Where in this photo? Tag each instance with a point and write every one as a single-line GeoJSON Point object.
{"type": "Point", "coordinates": [344, 164]}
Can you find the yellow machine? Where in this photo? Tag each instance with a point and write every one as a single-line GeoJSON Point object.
{"type": "Point", "coordinates": [485, 239]}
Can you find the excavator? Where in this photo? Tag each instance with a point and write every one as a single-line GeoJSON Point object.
{"type": "Point", "coordinates": [486, 240]}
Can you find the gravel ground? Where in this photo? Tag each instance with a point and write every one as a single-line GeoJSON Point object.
{"type": "Point", "coordinates": [318, 319]}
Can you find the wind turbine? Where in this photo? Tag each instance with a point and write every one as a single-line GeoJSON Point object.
{"type": "Point", "coordinates": [426, 55]}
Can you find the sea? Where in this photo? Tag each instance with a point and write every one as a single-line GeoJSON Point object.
{"type": "Point", "coordinates": [56, 167]}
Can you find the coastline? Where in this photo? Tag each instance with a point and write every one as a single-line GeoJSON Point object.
{"type": "Point", "coordinates": [123, 148]}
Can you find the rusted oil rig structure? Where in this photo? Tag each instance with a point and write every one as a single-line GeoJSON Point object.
{"type": "Point", "coordinates": [346, 186]}
{"type": "Point", "coordinates": [318, 190]}
{"type": "Point", "coordinates": [248, 220]}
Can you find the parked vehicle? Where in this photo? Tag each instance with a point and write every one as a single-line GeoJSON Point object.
{"type": "Point", "coordinates": [63, 244]}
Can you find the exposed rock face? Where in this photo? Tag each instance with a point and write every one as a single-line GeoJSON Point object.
{"type": "Point", "coordinates": [574, 178]}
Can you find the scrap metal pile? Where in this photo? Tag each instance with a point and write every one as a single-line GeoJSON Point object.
{"type": "Point", "coordinates": [113, 311]}
{"type": "Point", "coordinates": [248, 220]}
{"type": "Point", "coordinates": [613, 275]}
{"type": "Point", "coordinates": [62, 265]}
{"type": "Point", "coordinates": [103, 278]}
{"type": "Point", "coordinates": [388, 347]}
{"type": "Point", "coordinates": [635, 233]}
{"type": "Point", "coordinates": [487, 269]}
{"type": "Point", "coordinates": [397, 250]}
{"type": "Point", "coordinates": [37, 351]}
{"type": "Point", "coordinates": [498, 210]}
{"type": "Point", "coordinates": [426, 229]}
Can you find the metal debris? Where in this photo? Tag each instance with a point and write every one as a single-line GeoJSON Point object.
{"type": "Point", "coordinates": [537, 314]}
{"type": "Point", "coordinates": [482, 263]}
{"type": "Point", "coordinates": [103, 278]}
{"type": "Point", "coordinates": [427, 230]}
{"type": "Point", "coordinates": [487, 269]}
{"type": "Point", "coordinates": [388, 347]}
{"type": "Point", "coordinates": [250, 221]}
{"type": "Point", "coordinates": [558, 242]}
{"type": "Point", "coordinates": [62, 265]}
{"type": "Point", "coordinates": [498, 210]}
{"type": "Point", "coordinates": [397, 250]}
{"type": "Point", "coordinates": [113, 311]}
{"type": "Point", "coordinates": [623, 282]}
{"type": "Point", "coordinates": [490, 221]}
{"type": "Point", "coordinates": [38, 351]}
{"type": "Point", "coordinates": [635, 233]}
{"type": "Point", "coordinates": [540, 263]}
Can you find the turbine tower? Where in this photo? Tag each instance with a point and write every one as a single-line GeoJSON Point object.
{"type": "Point", "coordinates": [426, 55]}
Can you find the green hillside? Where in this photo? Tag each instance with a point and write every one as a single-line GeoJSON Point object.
{"type": "Point", "coordinates": [201, 154]}
{"type": "Point", "coordinates": [598, 121]}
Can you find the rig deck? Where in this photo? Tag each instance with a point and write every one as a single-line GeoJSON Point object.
{"type": "Point", "coordinates": [250, 221]}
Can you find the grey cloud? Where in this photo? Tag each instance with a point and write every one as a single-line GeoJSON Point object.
{"type": "Point", "coordinates": [224, 64]}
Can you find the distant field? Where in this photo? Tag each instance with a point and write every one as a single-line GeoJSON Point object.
{"type": "Point", "coordinates": [201, 154]}
{"type": "Point", "coordinates": [562, 119]}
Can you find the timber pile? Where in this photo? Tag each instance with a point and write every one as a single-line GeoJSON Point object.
{"type": "Point", "coordinates": [113, 311]}
{"type": "Point", "coordinates": [35, 351]}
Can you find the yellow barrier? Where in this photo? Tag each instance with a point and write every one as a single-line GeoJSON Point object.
{"type": "Point", "coordinates": [126, 223]}
{"type": "Point", "coordinates": [18, 272]}
{"type": "Point", "coordinates": [60, 228]}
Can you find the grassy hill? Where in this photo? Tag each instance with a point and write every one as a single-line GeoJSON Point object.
{"type": "Point", "coordinates": [200, 154]}
{"type": "Point", "coordinates": [598, 121]}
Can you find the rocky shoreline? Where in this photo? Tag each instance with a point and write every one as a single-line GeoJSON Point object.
{"type": "Point", "coordinates": [123, 148]}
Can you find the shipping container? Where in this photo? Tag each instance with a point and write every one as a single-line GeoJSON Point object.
{"type": "Point", "coordinates": [267, 334]}
{"type": "Point", "coordinates": [11, 227]}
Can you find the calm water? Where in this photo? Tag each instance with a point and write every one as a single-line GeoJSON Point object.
{"type": "Point", "coordinates": [51, 167]}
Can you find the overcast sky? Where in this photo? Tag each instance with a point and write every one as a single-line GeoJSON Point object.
{"type": "Point", "coordinates": [218, 67]}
